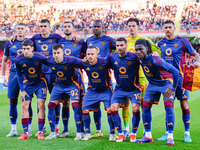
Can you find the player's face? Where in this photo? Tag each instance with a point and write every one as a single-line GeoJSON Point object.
{"type": "Point", "coordinates": [44, 28]}
{"type": "Point", "coordinates": [92, 54]}
{"type": "Point", "coordinates": [121, 47]}
{"type": "Point", "coordinates": [141, 51]}
{"type": "Point", "coordinates": [132, 27]}
{"type": "Point", "coordinates": [27, 50]}
{"type": "Point", "coordinates": [58, 54]}
{"type": "Point", "coordinates": [21, 30]}
{"type": "Point", "coordinates": [68, 29]}
{"type": "Point", "coordinates": [169, 29]}
{"type": "Point", "coordinates": [97, 28]}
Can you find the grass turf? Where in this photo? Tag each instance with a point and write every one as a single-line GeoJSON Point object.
{"type": "Point", "coordinates": [158, 129]}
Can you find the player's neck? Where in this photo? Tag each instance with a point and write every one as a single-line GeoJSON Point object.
{"type": "Point", "coordinates": [31, 55]}
{"type": "Point", "coordinates": [68, 37]}
{"type": "Point", "coordinates": [122, 55]}
{"type": "Point", "coordinates": [171, 37]}
{"type": "Point", "coordinates": [20, 38]}
{"type": "Point", "coordinates": [97, 36]}
{"type": "Point", "coordinates": [45, 35]}
{"type": "Point", "coordinates": [59, 61]}
{"type": "Point", "coordinates": [133, 35]}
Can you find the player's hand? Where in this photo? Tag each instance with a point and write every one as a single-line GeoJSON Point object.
{"type": "Point", "coordinates": [168, 93]}
{"type": "Point", "coordinates": [76, 39]}
{"type": "Point", "coordinates": [196, 65]}
{"type": "Point", "coordinates": [155, 54]}
{"type": "Point", "coordinates": [5, 83]}
{"type": "Point", "coordinates": [12, 38]}
{"type": "Point", "coordinates": [85, 60]}
{"type": "Point", "coordinates": [23, 94]}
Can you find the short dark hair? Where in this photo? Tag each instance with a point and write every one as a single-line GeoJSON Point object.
{"type": "Point", "coordinates": [69, 22]}
{"type": "Point", "coordinates": [145, 43]}
{"type": "Point", "coordinates": [98, 21]}
{"type": "Point", "coordinates": [21, 24]}
{"type": "Point", "coordinates": [133, 20]}
{"type": "Point", "coordinates": [57, 46]}
{"type": "Point", "coordinates": [169, 21]}
{"type": "Point", "coordinates": [28, 42]}
{"type": "Point", "coordinates": [45, 21]}
{"type": "Point", "coordinates": [90, 47]}
{"type": "Point", "coordinates": [122, 39]}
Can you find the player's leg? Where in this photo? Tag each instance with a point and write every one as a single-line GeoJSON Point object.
{"type": "Point", "coordinates": [57, 119]}
{"type": "Point", "coordinates": [25, 117]}
{"type": "Point", "coordinates": [86, 121]}
{"type": "Point", "coordinates": [111, 125]}
{"type": "Point", "coordinates": [30, 119]}
{"type": "Point", "coordinates": [65, 117]}
{"type": "Point", "coordinates": [126, 116]}
{"type": "Point", "coordinates": [97, 120]}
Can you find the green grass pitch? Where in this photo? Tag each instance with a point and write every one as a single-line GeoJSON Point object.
{"type": "Point", "coordinates": [158, 129]}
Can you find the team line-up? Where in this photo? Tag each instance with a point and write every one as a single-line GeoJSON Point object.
{"type": "Point", "coordinates": [49, 61]}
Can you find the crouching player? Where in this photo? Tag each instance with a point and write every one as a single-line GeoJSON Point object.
{"type": "Point", "coordinates": [64, 69]}
{"type": "Point", "coordinates": [29, 64]}
{"type": "Point", "coordinates": [126, 69]}
{"type": "Point", "coordinates": [99, 90]}
{"type": "Point", "coordinates": [158, 73]}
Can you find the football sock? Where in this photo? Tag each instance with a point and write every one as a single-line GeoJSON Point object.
{"type": "Point", "coordinates": [97, 118]}
{"type": "Point", "coordinates": [25, 124]}
{"type": "Point", "coordinates": [170, 135]}
{"type": "Point", "coordinates": [52, 115]}
{"type": "Point", "coordinates": [65, 117]}
{"type": "Point", "coordinates": [13, 111]}
{"type": "Point", "coordinates": [77, 115]}
{"type": "Point", "coordinates": [148, 134]}
{"type": "Point", "coordinates": [126, 117]}
{"type": "Point", "coordinates": [111, 124]}
{"type": "Point", "coordinates": [117, 121]}
{"type": "Point", "coordinates": [170, 116]}
{"type": "Point", "coordinates": [146, 115]}
{"type": "Point", "coordinates": [135, 121]}
{"type": "Point", "coordinates": [57, 115]}
{"type": "Point", "coordinates": [41, 124]}
{"type": "Point", "coordinates": [13, 127]}
{"type": "Point", "coordinates": [186, 119]}
{"type": "Point", "coordinates": [30, 116]}
{"type": "Point", "coordinates": [86, 121]}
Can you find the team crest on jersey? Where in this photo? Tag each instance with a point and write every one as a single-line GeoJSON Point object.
{"type": "Point", "coordinates": [176, 45]}
{"type": "Point", "coordinates": [53, 68]}
{"type": "Point", "coordinates": [50, 40]}
{"type": "Point", "coordinates": [14, 46]}
{"type": "Point", "coordinates": [74, 45]}
{"type": "Point", "coordinates": [65, 68]}
{"type": "Point", "coordinates": [103, 43]}
{"type": "Point", "coordinates": [24, 65]}
{"type": "Point", "coordinates": [150, 64]}
{"type": "Point", "coordinates": [116, 63]}
{"type": "Point", "coordinates": [90, 44]}
{"type": "Point", "coordinates": [88, 69]}
{"type": "Point", "coordinates": [129, 62]}
{"type": "Point", "coordinates": [39, 41]}
{"type": "Point", "coordinates": [36, 63]}
{"type": "Point", "coordinates": [100, 67]}
{"type": "Point", "coordinates": [164, 44]}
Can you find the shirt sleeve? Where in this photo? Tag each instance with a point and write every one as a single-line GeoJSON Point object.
{"type": "Point", "coordinates": [187, 46]}
{"type": "Point", "coordinates": [19, 75]}
{"type": "Point", "coordinates": [6, 49]}
{"type": "Point", "coordinates": [112, 44]}
{"type": "Point", "coordinates": [83, 48]}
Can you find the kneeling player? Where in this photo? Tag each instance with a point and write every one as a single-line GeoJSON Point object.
{"type": "Point", "coordinates": [99, 90]}
{"type": "Point", "coordinates": [158, 74]}
{"type": "Point", "coordinates": [29, 64]}
{"type": "Point", "coordinates": [64, 68]}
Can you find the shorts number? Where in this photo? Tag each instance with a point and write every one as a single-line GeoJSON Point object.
{"type": "Point", "coordinates": [44, 90]}
{"type": "Point", "coordinates": [137, 96]}
{"type": "Point", "coordinates": [74, 92]}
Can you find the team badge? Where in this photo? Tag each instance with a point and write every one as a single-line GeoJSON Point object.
{"type": "Point", "coordinates": [129, 63]}
{"type": "Point", "coordinates": [50, 40]}
{"type": "Point", "coordinates": [176, 45]}
{"type": "Point", "coordinates": [74, 45]}
{"type": "Point", "coordinates": [150, 64]}
{"type": "Point", "coordinates": [103, 43]}
{"type": "Point", "coordinates": [36, 63]}
{"type": "Point", "coordinates": [100, 67]}
{"type": "Point", "coordinates": [65, 68]}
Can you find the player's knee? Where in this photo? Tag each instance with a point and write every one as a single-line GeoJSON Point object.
{"type": "Point", "coordinates": [86, 111]}
{"type": "Point", "coordinates": [126, 102]}
{"type": "Point", "coordinates": [25, 105]}
{"type": "Point", "coordinates": [41, 106]}
{"type": "Point", "coordinates": [168, 104]}
{"type": "Point", "coordinates": [135, 108]}
{"type": "Point", "coordinates": [108, 110]}
{"type": "Point", "coordinates": [114, 107]}
{"type": "Point", "coordinates": [184, 105]}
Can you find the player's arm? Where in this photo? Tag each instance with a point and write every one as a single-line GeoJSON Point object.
{"type": "Point", "coordinates": [19, 75]}
{"type": "Point", "coordinates": [154, 48]}
{"type": "Point", "coordinates": [112, 44]}
{"type": "Point", "coordinates": [197, 60]}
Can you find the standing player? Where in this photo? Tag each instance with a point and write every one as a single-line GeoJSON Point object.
{"type": "Point", "coordinates": [29, 65]}
{"type": "Point", "coordinates": [173, 50]}
{"type": "Point", "coordinates": [105, 45]}
{"type": "Point", "coordinates": [76, 49]}
{"type": "Point", "coordinates": [99, 89]}
{"type": "Point", "coordinates": [126, 69]}
{"type": "Point", "coordinates": [12, 50]}
{"type": "Point", "coordinates": [133, 26]}
{"type": "Point", "coordinates": [160, 80]}
{"type": "Point", "coordinates": [64, 68]}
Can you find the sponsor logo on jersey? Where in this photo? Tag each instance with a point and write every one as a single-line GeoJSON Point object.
{"type": "Point", "coordinates": [31, 70]}
{"type": "Point", "coordinates": [184, 96]}
{"type": "Point", "coordinates": [122, 70]}
{"type": "Point", "coordinates": [19, 51]}
{"type": "Point", "coordinates": [60, 74]}
{"type": "Point", "coordinates": [95, 75]}
{"type": "Point", "coordinates": [146, 69]}
{"type": "Point", "coordinates": [67, 51]}
{"type": "Point", "coordinates": [168, 51]}
{"type": "Point", "coordinates": [44, 47]}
